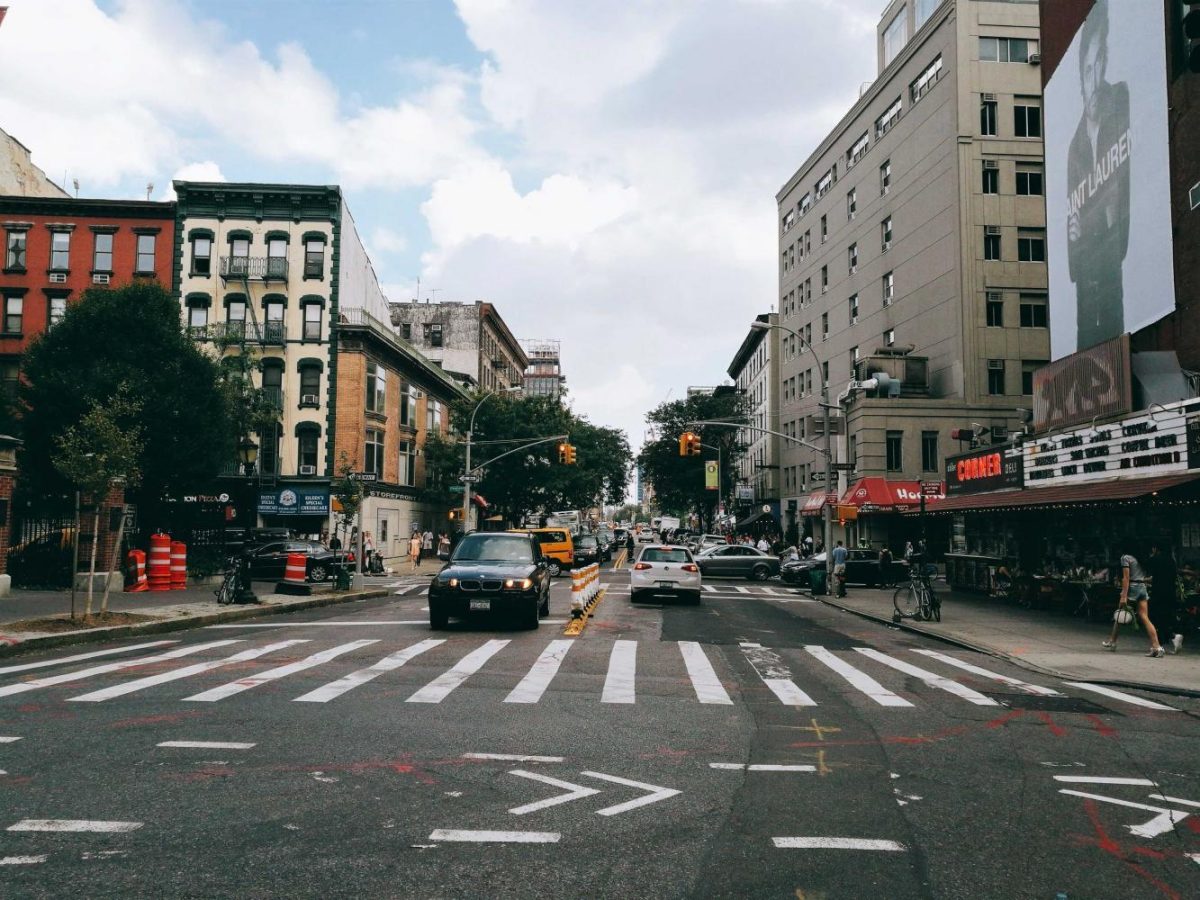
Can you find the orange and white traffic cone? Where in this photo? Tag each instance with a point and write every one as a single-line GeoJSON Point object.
{"type": "Point", "coordinates": [135, 561]}
{"type": "Point", "coordinates": [295, 577]}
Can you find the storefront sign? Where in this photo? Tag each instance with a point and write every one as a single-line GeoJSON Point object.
{"type": "Point", "coordinates": [987, 469]}
{"type": "Point", "coordinates": [1084, 386]}
{"type": "Point", "coordinates": [394, 491]}
{"type": "Point", "coordinates": [1152, 443]}
{"type": "Point", "coordinates": [294, 501]}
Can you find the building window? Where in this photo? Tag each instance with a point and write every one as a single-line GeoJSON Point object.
{"type": "Point", "coordinates": [433, 334]}
{"type": "Point", "coordinates": [1027, 369]}
{"type": "Point", "coordinates": [276, 258]}
{"type": "Point", "coordinates": [995, 313]}
{"type": "Point", "coordinates": [60, 250]}
{"type": "Point", "coordinates": [13, 314]}
{"type": "Point", "coordinates": [987, 118]}
{"type": "Point", "coordinates": [991, 243]}
{"type": "Point", "coordinates": [270, 437]}
{"type": "Point", "coordinates": [10, 378]}
{"type": "Point", "coordinates": [273, 327]}
{"type": "Point", "coordinates": [310, 386]}
{"type": "Point", "coordinates": [885, 233]}
{"type": "Point", "coordinates": [102, 253]}
{"type": "Point", "coordinates": [926, 80]}
{"type": "Point", "coordinates": [314, 259]}
{"type": "Point", "coordinates": [853, 357]}
{"type": "Point", "coordinates": [235, 318]}
{"type": "Point", "coordinates": [312, 321]}
{"type": "Point", "coordinates": [885, 177]}
{"type": "Point", "coordinates": [408, 405]}
{"type": "Point", "coordinates": [1029, 181]}
{"type": "Point", "coordinates": [197, 319]}
{"type": "Point", "coordinates": [201, 255]}
{"type": "Point", "coordinates": [805, 204]}
{"type": "Point", "coordinates": [1033, 312]}
{"type": "Point", "coordinates": [433, 416]}
{"type": "Point", "coordinates": [57, 308]}
{"type": "Point", "coordinates": [14, 254]}
{"type": "Point", "coordinates": [824, 279]}
{"type": "Point", "coordinates": [889, 288]}
{"type": "Point", "coordinates": [239, 256]}
{"type": "Point", "coordinates": [306, 451]}
{"type": "Point", "coordinates": [1027, 117]}
{"type": "Point", "coordinates": [857, 150]}
{"type": "Point", "coordinates": [145, 254]}
{"type": "Point", "coordinates": [376, 388]}
{"type": "Point", "coordinates": [272, 383]}
{"type": "Point", "coordinates": [894, 36]}
{"type": "Point", "coordinates": [824, 228]}
{"type": "Point", "coordinates": [887, 119]}
{"type": "Point", "coordinates": [407, 471]}
{"type": "Point", "coordinates": [853, 309]}
{"type": "Point", "coordinates": [825, 182]}
{"type": "Point", "coordinates": [1031, 245]}
{"type": "Point", "coordinates": [895, 451]}
{"type": "Point", "coordinates": [852, 258]}
{"type": "Point", "coordinates": [373, 457]}
{"type": "Point", "coordinates": [852, 204]}
{"type": "Point", "coordinates": [889, 337]}
{"type": "Point", "coordinates": [995, 377]}
{"type": "Point", "coordinates": [991, 180]}
{"type": "Point", "coordinates": [788, 221]}
{"type": "Point", "coordinates": [1000, 49]}
{"type": "Point", "coordinates": [930, 461]}
{"type": "Point", "coordinates": [924, 9]}
{"type": "Point", "coordinates": [824, 326]}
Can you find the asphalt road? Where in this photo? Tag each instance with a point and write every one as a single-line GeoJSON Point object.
{"type": "Point", "coordinates": [747, 747]}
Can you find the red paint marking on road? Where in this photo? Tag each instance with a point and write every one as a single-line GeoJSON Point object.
{"type": "Point", "coordinates": [1193, 822]}
{"type": "Point", "coordinates": [5, 639]}
{"type": "Point", "coordinates": [1056, 730]}
{"type": "Point", "coordinates": [205, 774]}
{"type": "Point", "coordinates": [1112, 848]}
{"type": "Point", "coordinates": [29, 707]}
{"type": "Point", "coordinates": [666, 752]}
{"type": "Point", "coordinates": [1007, 717]}
{"type": "Point", "coordinates": [1153, 854]}
{"type": "Point", "coordinates": [15, 781]}
{"type": "Point", "coordinates": [399, 766]}
{"type": "Point", "coordinates": [165, 719]}
{"type": "Point", "coordinates": [1106, 730]}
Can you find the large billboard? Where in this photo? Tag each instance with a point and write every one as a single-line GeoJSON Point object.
{"type": "Point", "coordinates": [1108, 200]}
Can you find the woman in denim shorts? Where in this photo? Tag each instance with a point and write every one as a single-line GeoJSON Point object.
{"type": "Point", "coordinates": [1133, 590]}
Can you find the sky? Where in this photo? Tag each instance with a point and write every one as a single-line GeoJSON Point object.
{"type": "Point", "coordinates": [603, 171]}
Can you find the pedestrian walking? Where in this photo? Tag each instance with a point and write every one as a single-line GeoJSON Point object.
{"type": "Point", "coordinates": [840, 555]}
{"type": "Point", "coordinates": [414, 550]}
{"type": "Point", "coordinates": [1164, 594]}
{"type": "Point", "coordinates": [763, 544]}
{"type": "Point", "coordinates": [1133, 591]}
{"type": "Point", "coordinates": [443, 544]}
{"type": "Point", "coordinates": [427, 544]}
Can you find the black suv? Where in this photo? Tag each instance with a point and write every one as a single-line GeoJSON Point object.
{"type": "Point", "coordinates": [492, 572]}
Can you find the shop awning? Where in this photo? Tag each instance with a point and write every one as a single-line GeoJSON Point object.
{"type": "Point", "coordinates": [814, 504]}
{"type": "Point", "coordinates": [881, 495]}
{"type": "Point", "coordinates": [754, 517]}
{"type": "Point", "coordinates": [1065, 495]}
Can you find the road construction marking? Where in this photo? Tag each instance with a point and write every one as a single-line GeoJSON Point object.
{"type": "Point", "coordinates": [438, 689]}
{"type": "Point", "coordinates": [574, 792]}
{"type": "Point", "coordinates": [496, 837]}
{"type": "Point", "coordinates": [995, 676]}
{"type": "Point", "coordinates": [858, 679]}
{"type": "Point", "coordinates": [22, 686]}
{"type": "Point", "coordinates": [819, 730]}
{"type": "Point", "coordinates": [389, 663]}
{"type": "Point", "coordinates": [130, 687]}
{"type": "Point", "coordinates": [656, 794]}
{"type": "Point", "coordinates": [622, 668]}
{"type": "Point", "coordinates": [78, 825]}
{"type": "Point", "coordinates": [25, 667]}
{"type": "Point", "coordinates": [836, 843]}
{"type": "Point", "coordinates": [704, 678]}
{"type": "Point", "coordinates": [23, 860]}
{"type": "Point", "coordinates": [1086, 779]}
{"type": "Point", "coordinates": [762, 767]}
{"type": "Point", "coordinates": [253, 681]}
{"type": "Point", "coordinates": [1119, 695]}
{"type": "Point", "coordinates": [768, 665]}
{"type": "Point", "coordinates": [1162, 823]}
{"type": "Point", "coordinates": [208, 745]}
{"type": "Point", "coordinates": [514, 757]}
{"type": "Point", "coordinates": [541, 673]}
{"type": "Point", "coordinates": [929, 678]}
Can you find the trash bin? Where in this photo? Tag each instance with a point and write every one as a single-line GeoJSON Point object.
{"type": "Point", "coordinates": [341, 578]}
{"type": "Point", "coordinates": [816, 580]}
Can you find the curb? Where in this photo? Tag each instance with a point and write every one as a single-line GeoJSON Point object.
{"type": "Point", "coordinates": [1015, 660]}
{"type": "Point", "coordinates": [181, 623]}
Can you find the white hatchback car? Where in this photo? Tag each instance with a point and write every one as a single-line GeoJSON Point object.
{"type": "Point", "coordinates": [664, 569]}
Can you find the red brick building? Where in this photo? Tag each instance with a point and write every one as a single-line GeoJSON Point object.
{"type": "Point", "coordinates": [57, 248]}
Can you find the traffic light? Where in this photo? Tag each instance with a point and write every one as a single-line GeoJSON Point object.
{"type": "Point", "coordinates": [562, 453]}
{"type": "Point", "coordinates": [689, 444]}
{"type": "Point", "coordinates": [570, 455]}
{"type": "Point", "coordinates": [454, 515]}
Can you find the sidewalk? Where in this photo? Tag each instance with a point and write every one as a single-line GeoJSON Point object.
{"type": "Point", "coordinates": [1056, 645]}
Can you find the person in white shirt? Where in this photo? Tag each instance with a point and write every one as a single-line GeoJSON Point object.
{"type": "Point", "coordinates": [763, 545]}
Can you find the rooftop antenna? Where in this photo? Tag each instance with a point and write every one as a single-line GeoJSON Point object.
{"type": "Point", "coordinates": [434, 292]}
{"type": "Point", "coordinates": [149, 189]}
{"type": "Point", "coordinates": [75, 181]}
{"type": "Point", "coordinates": [418, 300]}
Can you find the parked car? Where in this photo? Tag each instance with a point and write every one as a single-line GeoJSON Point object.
{"type": "Point", "coordinates": [492, 572]}
{"type": "Point", "coordinates": [665, 570]}
{"type": "Point", "coordinates": [268, 561]}
{"type": "Point", "coordinates": [556, 545]}
{"type": "Point", "coordinates": [862, 567]}
{"type": "Point", "coordinates": [701, 542]}
{"type": "Point", "coordinates": [587, 550]}
{"type": "Point", "coordinates": [738, 560]}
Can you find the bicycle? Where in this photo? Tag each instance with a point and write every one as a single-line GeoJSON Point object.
{"type": "Point", "coordinates": [231, 583]}
{"type": "Point", "coordinates": [917, 599]}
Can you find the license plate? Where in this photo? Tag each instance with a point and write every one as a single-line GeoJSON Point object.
{"type": "Point", "coordinates": [481, 606]}
{"type": "Point", "coordinates": [666, 584]}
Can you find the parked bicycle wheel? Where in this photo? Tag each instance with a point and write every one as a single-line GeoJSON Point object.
{"type": "Point", "coordinates": [935, 605]}
{"type": "Point", "coordinates": [907, 600]}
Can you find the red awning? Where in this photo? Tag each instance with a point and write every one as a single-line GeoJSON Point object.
{"type": "Point", "coordinates": [814, 504]}
{"type": "Point", "coordinates": [1035, 498]}
{"type": "Point", "coordinates": [882, 495]}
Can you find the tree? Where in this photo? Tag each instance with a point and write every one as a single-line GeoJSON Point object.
{"type": "Point", "coordinates": [348, 493]}
{"type": "Point", "coordinates": [132, 337]}
{"type": "Point", "coordinates": [104, 447]}
{"type": "Point", "coordinates": [678, 481]}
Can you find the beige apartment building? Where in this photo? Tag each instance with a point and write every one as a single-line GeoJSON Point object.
{"type": "Point", "coordinates": [755, 373]}
{"type": "Point", "coordinates": [912, 242]}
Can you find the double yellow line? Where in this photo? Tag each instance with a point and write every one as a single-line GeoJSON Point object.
{"type": "Point", "coordinates": [622, 558]}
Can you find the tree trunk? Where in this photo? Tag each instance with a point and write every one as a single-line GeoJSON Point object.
{"type": "Point", "coordinates": [116, 558]}
{"type": "Point", "coordinates": [87, 606]}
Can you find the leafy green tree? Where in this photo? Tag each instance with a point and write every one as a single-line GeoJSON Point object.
{"type": "Point", "coordinates": [132, 337]}
{"type": "Point", "coordinates": [678, 481]}
{"type": "Point", "coordinates": [349, 494]}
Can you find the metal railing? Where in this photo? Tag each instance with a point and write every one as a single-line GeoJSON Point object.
{"type": "Point", "coordinates": [271, 334]}
{"type": "Point", "coordinates": [265, 268]}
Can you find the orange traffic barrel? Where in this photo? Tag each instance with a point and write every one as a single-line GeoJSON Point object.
{"type": "Point", "coordinates": [295, 576]}
{"type": "Point", "coordinates": [178, 566]}
{"type": "Point", "coordinates": [135, 562]}
{"type": "Point", "coordinates": [160, 562]}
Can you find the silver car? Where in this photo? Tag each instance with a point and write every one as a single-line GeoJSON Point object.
{"type": "Point", "coordinates": [664, 570]}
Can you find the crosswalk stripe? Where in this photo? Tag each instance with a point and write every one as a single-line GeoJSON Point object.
{"type": "Point", "coordinates": [709, 588]}
{"type": "Point", "coordinates": [858, 679]}
{"type": "Point", "coordinates": [393, 661]}
{"type": "Point", "coordinates": [175, 674]}
{"type": "Point", "coordinates": [929, 678]}
{"type": "Point", "coordinates": [79, 657]}
{"type": "Point", "coordinates": [251, 681]}
{"type": "Point", "coordinates": [541, 673]}
{"type": "Point", "coordinates": [769, 667]}
{"type": "Point", "coordinates": [622, 667]}
{"type": "Point", "coordinates": [985, 673]}
{"type": "Point", "coordinates": [704, 678]}
{"type": "Point", "coordinates": [438, 689]}
{"type": "Point", "coordinates": [741, 590]}
{"type": "Point", "coordinates": [770, 592]}
{"type": "Point", "coordinates": [22, 686]}
{"type": "Point", "coordinates": [1119, 695]}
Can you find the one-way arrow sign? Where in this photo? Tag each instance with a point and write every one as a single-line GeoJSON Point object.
{"type": "Point", "coordinates": [574, 792]}
{"type": "Point", "coordinates": [579, 791]}
{"type": "Point", "coordinates": [656, 793]}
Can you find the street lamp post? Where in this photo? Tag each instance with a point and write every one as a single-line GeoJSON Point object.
{"type": "Point", "coordinates": [827, 452]}
{"type": "Point", "coordinates": [466, 517]}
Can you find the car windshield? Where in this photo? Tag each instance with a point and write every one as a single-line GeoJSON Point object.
{"type": "Point", "coordinates": [666, 554]}
{"type": "Point", "coordinates": [586, 541]}
{"type": "Point", "coordinates": [493, 548]}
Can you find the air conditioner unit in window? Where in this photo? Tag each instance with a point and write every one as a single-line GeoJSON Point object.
{"type": "Point", "coordinates": [994, 296]}
{"type": "Point", "coordinates": [58, 277]}
{"type": "Point", "coordinates": [991, 229]}
{"type": "Point", "coordinates": [101, 279]}
{"type": "Point", "coordinates": [989, 98]}
{"type": "Point", "coordinates": [310, 400]}
{"type": "Point", "coordinates": [991, 164]}
{"type": "Point", "coordinates": [995, 364]}
{"type": "Point", "coordinates": [1035, 58]}
{"type": "Point", "coordinates": [308, 470]}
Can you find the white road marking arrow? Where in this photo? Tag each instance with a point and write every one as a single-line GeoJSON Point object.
{"type": "Point", "coordinates": [657, 793]}
{"type": "Point", "coordinates": [574, 792]}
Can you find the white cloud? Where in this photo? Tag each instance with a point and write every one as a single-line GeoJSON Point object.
{"type": "Point", "coordinates": [197, 171]}
{"type": "Point", "coordinates": [385, 240]}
